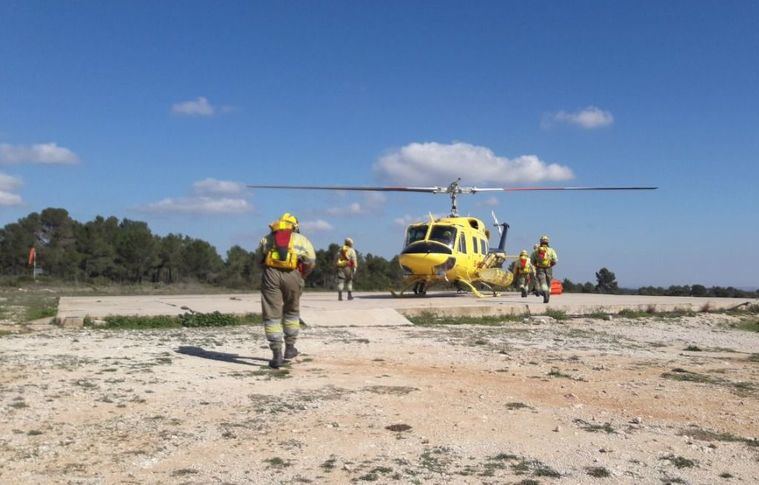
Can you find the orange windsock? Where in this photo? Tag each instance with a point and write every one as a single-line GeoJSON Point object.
{"type": "Point", "coordinates": [32, 255]}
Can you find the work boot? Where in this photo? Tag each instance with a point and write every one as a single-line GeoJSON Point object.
{"type": "Point", "coordinates": [339, 296]}
{"type": "Point", "coordinates": [524, 292]}
{"type": "Point", "coordinates": [350, 295]}
{"type": "Point", "coordinates": [546, 296]}
{"type": "Point", "coordinates": [276, 359]}
{"type": "Point", "coordinates": [290, 351]}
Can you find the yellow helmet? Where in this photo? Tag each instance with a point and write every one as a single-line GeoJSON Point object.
{"type": "Point", "coordinates": [543, 239]}
{"type": "Point", "coordinates": [286, 221]}
{"type": "Point", "coordinates": [523, 253]}
{"type": "Point", "coordinates": [289, 218]}
{"type": "Point", "coordinates": [349, 242]}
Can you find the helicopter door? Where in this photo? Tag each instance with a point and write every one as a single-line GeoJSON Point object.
{"type": "Point", "coordinates": [464, 257]}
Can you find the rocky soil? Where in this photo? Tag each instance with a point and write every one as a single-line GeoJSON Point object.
{"type": "Point", "coordinates": [578, 401]}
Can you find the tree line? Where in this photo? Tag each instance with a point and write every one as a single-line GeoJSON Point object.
{"type": "Point", "coordinates": [606, 282]}
{"type": "Point", "coordinates": [109, 250]}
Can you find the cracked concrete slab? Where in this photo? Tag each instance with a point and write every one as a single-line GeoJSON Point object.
{"type": "Point", "coordinates": [379, 308]}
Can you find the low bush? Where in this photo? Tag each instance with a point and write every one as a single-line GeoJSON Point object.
{"type": "Point", "coordinates": [190, 320]}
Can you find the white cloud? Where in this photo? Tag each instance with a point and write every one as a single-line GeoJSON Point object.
{"type": "Point", "coordinates": [44, 153]}
{"type": "Point", "coordinates": [8, 185]}
{"type": "Point", "coordinates": [9, 198]}
{"type": "Point", "coordinates": [490, 202]}
{"type": "Point", "coordinates": [209, 196]}
{"type": "Point", "coordinates": [437, 163]}
{"type": "Point", "coordinates": [588, 118]}
{"type": "Point", "coordinates": [319, 225]}
{"type": "Point", "coordinates": [404, 220]}
{"type": "Point", "coordinates": [352, 209]}
{"type": "Point", "coordinates": [198, 205]}
{"type": "Point", "coordinates": [213, 186]}
{"type": "Point", "coordinates": [373, 202]}
{"type": "Point", "coordinates": [198, 107]}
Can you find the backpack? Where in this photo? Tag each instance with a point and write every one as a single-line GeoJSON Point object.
{"type": "Point", "coordinates": [281, 254]}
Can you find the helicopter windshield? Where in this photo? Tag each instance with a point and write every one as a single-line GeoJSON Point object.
{"type": "Point", "coordinates": [443, 234]}
{"type": "Point", "coordinates": [416, 233]}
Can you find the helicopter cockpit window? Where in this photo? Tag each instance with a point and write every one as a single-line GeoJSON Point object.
{"type": "Point", "coordinates": [462, 244]}
{"type": "Point", "coordinates": [483, 246]}
{"type": "Point", "coordinates": [415, 233]}
{"type": "Point", "coordinates": [443, 234]}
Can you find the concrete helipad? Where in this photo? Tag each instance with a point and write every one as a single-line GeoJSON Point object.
{"type": "Point", "coordinates": [368, 309]}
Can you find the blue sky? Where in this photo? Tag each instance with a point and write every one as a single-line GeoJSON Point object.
{"type": "Point", "coordinates": [126, 108]}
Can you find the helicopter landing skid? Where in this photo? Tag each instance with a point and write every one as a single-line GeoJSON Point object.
{"type": "Point", "coordinates": [420, 290]}
{"type": "Point", "coordinates": [490, 288]}
{"type": "Point", "coordinates": [400, 294]}
{"type": "Point", "coordinates": [471, 288]}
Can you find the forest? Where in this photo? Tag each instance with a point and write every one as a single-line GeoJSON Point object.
{"type": "Point", "coordinates": [107, 251]}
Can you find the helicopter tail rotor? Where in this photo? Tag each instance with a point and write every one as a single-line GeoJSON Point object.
{"type": "Point", "coordinates": [503, 230]}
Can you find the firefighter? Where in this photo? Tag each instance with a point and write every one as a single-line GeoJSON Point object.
{"type": "Point", "coordinates": [347, 263]}
{"type": "Point", "coordinates": [523, 272]}
{"type": "Point", "coordinates": [544, 258]}
{"type": "Point", "coordinates": [288, 257]}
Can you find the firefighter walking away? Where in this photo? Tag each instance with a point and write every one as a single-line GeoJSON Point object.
{"type": "Point", "coordinates": [347, 264]}
{"type": "Point", "coordinates": [288, 258]}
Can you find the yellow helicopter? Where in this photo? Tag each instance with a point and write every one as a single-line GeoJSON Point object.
{"type": "Point", "coordinates": [451, 250]}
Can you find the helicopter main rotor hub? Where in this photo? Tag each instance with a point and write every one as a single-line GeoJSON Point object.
{"type": "Point", "coordinates": [453, 190]}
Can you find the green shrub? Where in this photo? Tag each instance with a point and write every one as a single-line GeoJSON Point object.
{"type": "Point", "coordinates": [556, 314]}
{"type": "Point", "coordinates": [430, 318]}
{"type": "Point", "coordinates": [190, 320]}
{"type": "Point", "coordinates": [141, 322]}
{"type": "Point", "coordinates": [215, 319]}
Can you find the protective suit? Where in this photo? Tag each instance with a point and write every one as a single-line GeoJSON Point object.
{"type": "Point", "coordinates": [288, 257]}
{"type": "Point", "coordinates": [544, 258]}
{"type": "Point", "coordinates": [524, 273]}
{"type": "Point", "coordinates": [347, 264]}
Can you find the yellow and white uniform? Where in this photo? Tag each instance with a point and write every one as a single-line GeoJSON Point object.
{"type": "Point", "coordinates": [544, 258]}
{"type": "Point", "coordinates": [288, 258]}
{"type": "Point", "coordinates": [347, 264]}
{"type": "Point", "coordinates": [523, 271]}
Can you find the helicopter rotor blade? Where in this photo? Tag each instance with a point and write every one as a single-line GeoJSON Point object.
{"type": "Point", "coordinates": [495, 219]}
{"type": "Point", "coordinates": [530, 189]}
{"type": "Point", "coordinates": [350, 187]}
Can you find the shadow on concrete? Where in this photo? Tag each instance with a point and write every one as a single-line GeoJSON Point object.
{"type": "Point", "coordinates": [222, 356]}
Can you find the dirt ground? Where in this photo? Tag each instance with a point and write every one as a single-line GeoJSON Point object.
{"type": "Point", "coordinates": [541, 401]}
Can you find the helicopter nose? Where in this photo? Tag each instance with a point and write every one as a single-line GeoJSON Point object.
{"type": "Point", "coordinates": [425, 263]}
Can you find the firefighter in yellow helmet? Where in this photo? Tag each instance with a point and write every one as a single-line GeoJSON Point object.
{"type": "Point", "coordinates": [347, 264]}
{"type": "Point", "coordinates": [288, 257]}
{"type": "Point", "coordinates": [523, 272]}
{"type": "Point", "coordinates": [544, 258]}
